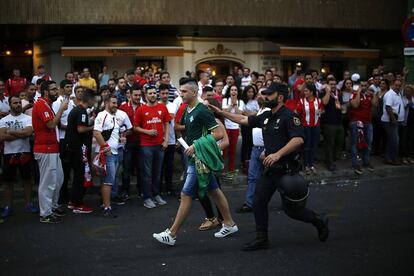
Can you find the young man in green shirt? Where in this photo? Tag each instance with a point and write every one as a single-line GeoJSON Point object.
{"type": "Point", "coordinates": [198, 121]}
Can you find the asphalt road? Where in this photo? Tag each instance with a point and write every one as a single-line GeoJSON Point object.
{"type": "Point", "coordinates": [372, 233]}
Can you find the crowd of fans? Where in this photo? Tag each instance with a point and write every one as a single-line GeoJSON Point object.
{"type": "Point", "coordinates": [60, 135]}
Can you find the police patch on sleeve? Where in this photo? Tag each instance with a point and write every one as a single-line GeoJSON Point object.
{"type": "Point", "coordinates": [296, 121]}
{"type": "Point", "coordinates": [83, 118]}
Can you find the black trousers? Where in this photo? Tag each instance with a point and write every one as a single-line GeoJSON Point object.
{"type": "Point", "coordinates": [247, 143]}
{"type": "Point", "coordinates": [130, 163]}
{"type": "Point", "coordinates": [265, 189]}
{"type": "Point", "coordinates": [208, 206]}
{"type": "Point", "coordinates": [76, 164]}
{"type": "Point", "coordinates": [168, 169]}
{"type": "Point", "coordinates": [64, 157]}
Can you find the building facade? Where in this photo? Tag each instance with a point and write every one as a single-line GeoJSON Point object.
{"type": "Point", "coordinates": [180, 36]}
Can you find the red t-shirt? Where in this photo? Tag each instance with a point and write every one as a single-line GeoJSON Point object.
{"type": "Point", "coordinates": [46, 140]}
{"type": "Point", "coordinates": [297, 94]}
{"type": "Point", "coordinates": [152, 117]}
{"type": "Point", "coordinates": [180, 113]}
{"type": "Point", "coordinates": [363, 112]}
{"type": "Point", "coordinates": [129, 110]}
{"type": "Point", "coordinates": [291, 105]}
{"type": "Point", "coordinates": [14, 86]}
{"type": "Point", "coordinates": [309, 111]}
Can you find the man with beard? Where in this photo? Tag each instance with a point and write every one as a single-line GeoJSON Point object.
{"type": "Point", "coordinates": [152, 122]}
{"type": "Point", "coordinates": [120, 91]}
{"type": "Point", "coordinates": [46, 151]}
{"type": "Point", "coordinates": [283, 136]}
{"type": "Point", "coordinates": [15, 130]}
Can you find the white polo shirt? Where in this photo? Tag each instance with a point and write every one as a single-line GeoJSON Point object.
{"type": "Point", "coordinates": [64, 119]}
{"type": "Point", "coordinates": [395, 101]}
{"type": "Point", "coordinates": [258, 132]}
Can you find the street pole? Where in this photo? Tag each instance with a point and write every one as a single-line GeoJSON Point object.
{"type": "Point", "coordinates": [409, 60]}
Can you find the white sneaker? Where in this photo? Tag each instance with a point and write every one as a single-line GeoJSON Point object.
{"type": "Point", "coordinates": [158, 200]}
{"type": "Point", "coordinates": [226, 230]}
{"type": "Point", "coordinates": [148, 203]}
{"type": "Point", "coordinates": [165, 237]}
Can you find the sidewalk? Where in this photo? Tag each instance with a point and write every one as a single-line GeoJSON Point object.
{"type": "Point", "coordinates": [345, 172]}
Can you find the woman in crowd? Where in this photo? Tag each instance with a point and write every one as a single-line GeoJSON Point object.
{"type": "Point", "coordinates": [379, 134]}
{"type": "Point", "coordinates": [309, 109]}
{"type": "Point", "coordinates": [407, 128]}
{"type": "Point", "coordinates": [250, 108]}
{"type": "Point", "coordinates": [232, 103]}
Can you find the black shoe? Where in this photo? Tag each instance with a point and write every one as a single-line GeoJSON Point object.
{"type": "Point", "coordinates": [244, 209]}
{"type": "Point", "coordinates": [51, 219]}
{"type": "Point", "coordinates": [332, 167]}
{"type": "Point", "coordinates": [261, 242]}
{"type": "Point", "coordinates": [125, 197]}
{"type": "Point", "coordinates": [117, 201]}
{"type": "Point", "coordinates": [109, 213]}
{"type": "Point", "coordinates": [59, 212]}
{"type": "Point", "coordinates": [323, 229]}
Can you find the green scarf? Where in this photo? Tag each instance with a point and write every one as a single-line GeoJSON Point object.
{"type": "Point", "coordinates": [208, 159]}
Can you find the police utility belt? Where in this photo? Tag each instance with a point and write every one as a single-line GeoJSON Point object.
{"type": "Point", "coordinates": [283, 167]}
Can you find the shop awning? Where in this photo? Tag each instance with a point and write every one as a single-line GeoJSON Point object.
{"type": "Point", "coordinates": [329, 52]}
{"type": "Point", "coordinates": [119, 51]}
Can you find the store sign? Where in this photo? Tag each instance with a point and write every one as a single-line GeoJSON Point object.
{"type": "Point", "coordinates": [409, 51]}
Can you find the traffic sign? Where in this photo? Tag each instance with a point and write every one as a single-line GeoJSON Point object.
{"type": "Point", "coordinates": [408, 31]}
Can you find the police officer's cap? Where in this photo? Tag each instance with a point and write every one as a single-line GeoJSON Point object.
{"type": "Point", "coordinates": [282, 89]}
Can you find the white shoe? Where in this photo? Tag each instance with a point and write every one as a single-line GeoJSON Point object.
{"type": "Point", "coordinates": [165, 237]}
{"type": "Point", "coordinates": [158, 200]}
{"type": "Point", "coordinates": [226, 230]}
{"type": "Point", "coordinates": [148, 203]}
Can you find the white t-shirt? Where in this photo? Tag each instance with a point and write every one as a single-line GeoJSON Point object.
{"type": "Point", "coordinates": [16, 123]}
{"type": "Point", "coordinates": [251, 106]}
{"type": "Point", "coordinates": [395, 101]}
{"type": "Point", "coordinates": [200, 88]}
{"type": "Point", "coordinates": [4, 105]}
{"type": "Point", "coordinates": [226, 103]}
{"type": "Point", "coordinates": [172, 110]}
{"type": "Point", "coordinates": [106, 121]}
{"type": "Point", "coordinates": [64, 119]}
{"type": "Point", "coordinates": [258, 132]}
{"type": "Point", "coordinates": [124, 123]}
{"type": "Point", "coordinates": [245, 81]}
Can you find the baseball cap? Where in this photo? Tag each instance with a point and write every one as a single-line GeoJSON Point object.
{"type": "Point", "coordinates": [282, 89]}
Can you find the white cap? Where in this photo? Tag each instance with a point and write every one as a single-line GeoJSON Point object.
{"type": "Point", "coordinates": [355, 77]}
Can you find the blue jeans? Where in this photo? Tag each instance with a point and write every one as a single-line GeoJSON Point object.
{"type": "Point", "coordinates": [152, 158]}
{"type": "Point", "coordinates": [111, 168]}
{"type": "Point", "coordinates": [115, 188]}
{"type": "Point", "coordinates": [190, 187]}
{"type": "Point", "coordinates": [254, 174]}
{"type": "Point", "coordinates": [312, 135]}
{"type": "Point", "coordinates": [368, 133]}
{"type": "Point", "coordinates": [393, 141]}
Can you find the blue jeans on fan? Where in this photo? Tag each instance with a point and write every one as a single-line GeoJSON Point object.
{"type": "Point", "coordinates": [368, 133]}
{"type": "Point", "coordinates": [393, 141]}
{"type": "Point", "coordinates": [152, 159]}
{"type": "Point", "coordinates": [312, 136]}
{"type": "Point", "coordinates": [254, 174]}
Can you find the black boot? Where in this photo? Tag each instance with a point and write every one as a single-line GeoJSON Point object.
{"type": "Point", "coordinates": [322, 227]}
{"type": "Point", "coordinates": [261, 242]}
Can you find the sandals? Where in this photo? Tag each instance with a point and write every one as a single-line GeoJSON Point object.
{"type": "Point", "coordinates": [209, 224]}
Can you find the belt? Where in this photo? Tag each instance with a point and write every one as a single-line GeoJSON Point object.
{"type": "Point", "coordinates": [283, 168]}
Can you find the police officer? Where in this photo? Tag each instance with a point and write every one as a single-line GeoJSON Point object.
{"type": "Point", "coordinates": [283, 137]}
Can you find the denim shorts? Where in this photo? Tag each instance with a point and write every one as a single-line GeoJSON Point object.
{"type": "Point", "coordinates": [111, 167]}
{"type": "Point", "coordinates": [190, 186]}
